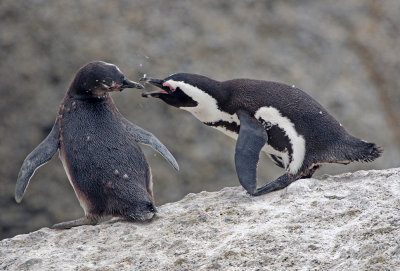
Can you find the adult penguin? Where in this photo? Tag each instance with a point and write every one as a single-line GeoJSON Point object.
{"type": "Point", "coordinates": [293, 129]}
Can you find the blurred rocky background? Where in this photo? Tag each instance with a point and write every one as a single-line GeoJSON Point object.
{"type": "Point", "coordinates": [346, 54]}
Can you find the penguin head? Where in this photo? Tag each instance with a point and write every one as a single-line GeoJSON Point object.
{"type": "Point", "coordinates": [182, 89]}
{"type": "Point", "coordinates": [96, 79]}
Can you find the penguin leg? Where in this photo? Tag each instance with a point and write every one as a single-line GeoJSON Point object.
{"type": "Point", "coordinates": [310, 172]}
{"type": "Point", "coordinates": [74, 223]}
{"type": "Point", "coordinates": [142, 136]}
{"type": "Point", "coordinates": [280, 183]}
{"type": "Point", "coordinates": [252, 137]}
{"type": "Point", "coordinates": [283, 181]}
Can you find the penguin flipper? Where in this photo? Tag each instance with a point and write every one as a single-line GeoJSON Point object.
{"type": "Point", "coordinates": [39, 156]}
{"type": "Point", "coordinates": [142, 136]}
{"type": "Point", "coordinates": [252, 137]}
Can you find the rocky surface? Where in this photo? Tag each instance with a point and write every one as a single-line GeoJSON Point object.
{"type": "Point", "coordinates": [344, 222]}
{"type": "Point", "coordinates": [344, 53]}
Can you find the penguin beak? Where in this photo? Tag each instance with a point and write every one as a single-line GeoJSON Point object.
{"type": "Point", "coordinates": [130, 84]}
{"type": "Point", "coordinates": [155, 82]}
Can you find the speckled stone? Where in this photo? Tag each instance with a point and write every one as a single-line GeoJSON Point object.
{"type": "Point", "coordinates": [344, 53]}
{"type": "Point", "coordinates": [344, 222]}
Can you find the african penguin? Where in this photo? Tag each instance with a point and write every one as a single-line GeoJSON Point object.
{"type": "Point", "coordinates": [293, 129]}
{"type": "Point", "coordinates": [99, 151]}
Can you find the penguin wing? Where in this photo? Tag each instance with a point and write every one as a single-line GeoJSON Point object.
{"type": "Point", "coordinates": [142, 136]}
{"type": "Point", "coordinates": [39, 156]}
{"type": "Point", "coordinates": [252, 137]}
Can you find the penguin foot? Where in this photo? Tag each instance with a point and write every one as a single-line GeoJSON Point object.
{"type": "Point", "coordinates": [280, 183]}
{"type": "Point", "coordinates": [75, 223]}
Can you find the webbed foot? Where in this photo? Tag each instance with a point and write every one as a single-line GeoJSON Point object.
{"type": "Point", "coordinates": [280, 183]}
{"type": "Point", "coordinates": [75, 223]}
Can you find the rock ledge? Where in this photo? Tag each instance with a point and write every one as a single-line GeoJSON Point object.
{"type": "Point", "coordinates": [345, 222]}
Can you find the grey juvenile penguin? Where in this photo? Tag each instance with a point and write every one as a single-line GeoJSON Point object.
{"type": "Point", "coordinates": [98, 149]}
{"type": "Point", "coordinates": [293, 129]}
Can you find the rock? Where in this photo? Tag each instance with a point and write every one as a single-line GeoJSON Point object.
{"type": "Point", "coordinates": [345, 222]}
{"type": "Point", "coordinates": [344, 53]}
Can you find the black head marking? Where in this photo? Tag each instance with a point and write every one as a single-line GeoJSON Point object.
{"type": "Point", "coordinates": [97, 78]}
{"type": "Point", "coordinates": [177, 97]}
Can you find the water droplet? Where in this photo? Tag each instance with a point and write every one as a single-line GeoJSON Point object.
{"type": "Point", "coordinates": [116, 172]}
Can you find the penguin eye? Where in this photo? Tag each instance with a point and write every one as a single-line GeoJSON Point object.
{"type": "Point", "coordinates": [165, 84]}
{"type": "Point", "coordinates": [105, 82]}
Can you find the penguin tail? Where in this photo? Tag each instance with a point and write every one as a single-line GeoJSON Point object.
{"type": "Point", "coordinates": [364, 151]}
{"type": "Point", "coordinates": [373, 152]}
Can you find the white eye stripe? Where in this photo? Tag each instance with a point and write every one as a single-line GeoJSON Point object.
{"type": "Point", "coordinates": [207, 109]}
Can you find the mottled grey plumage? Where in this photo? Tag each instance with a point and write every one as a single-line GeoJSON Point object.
{"type": "Point", "coordinates": [293, 129]}
{"type": "Point", "coordinates": [98, 148]}
{"type": "Point", "coordinates": [39, 156]}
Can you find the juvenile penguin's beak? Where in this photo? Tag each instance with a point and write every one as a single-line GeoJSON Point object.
{"type": "Point", "coordinates": [155, 82]}
{"type": "Point", "coordinates": [130, 84]}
